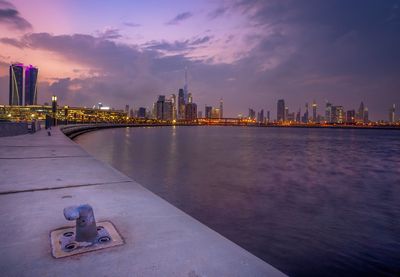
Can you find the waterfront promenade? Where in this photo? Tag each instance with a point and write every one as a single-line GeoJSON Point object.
{"type": "Point", "coordinates": [41, 175]}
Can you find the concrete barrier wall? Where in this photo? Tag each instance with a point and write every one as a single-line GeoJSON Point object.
{"type": "Point", "coordinates": [13, 128]}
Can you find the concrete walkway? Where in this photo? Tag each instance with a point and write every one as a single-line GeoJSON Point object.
{"type": "Point", "coordinates": [40, 175]}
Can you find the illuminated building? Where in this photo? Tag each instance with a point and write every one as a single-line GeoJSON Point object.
{"type": "Point", "coordinates": [221, 108]}
{"type": "Point", "coordinates": [173, 102]}
{"type": "Point", "coordinates": [281, 111]}
{"type": "Point", "coordinates": [208, 112]}
{"type": "Point", "coordinates": [126, 109]}
{"type": "Point", "coordinates": [337, 114]}
{"type": "Point", "coordinates": [181, 104]}
{"type": "Point", "coordinates": [215, 112]}
{"type": "Point", "coordinates": [16, 84]}
{"type": "Point", "coordinates": [314, 113]}
{"type": "Point", "coordinates": [186, 88]}
{"type": "Point", "coordinates": [252, 114]}
{"type": "Point", "coordinates": [298, 116]}
{"type": "Point", "coordinates": [351, 116]}
{"type": "Point", "coordinates": [328, 112]}
{"type": "Point", "coordinates": [290, 117]}
{"type": "Point", "coordinates": [360, 117]}
{"type": "Point", "coordinates": [159, 107]}
{"type": "Point", "coordinates": [392, 118]}
{"type": "Point", "coordinates": [199, 114]}
{"type": "Point", "coordinates": [366, 116]}
{"type": "Point", "coordinates": [305, 116]}
{"type": "Point", "coordinates": [268, 117]}
{"type": "Point", "coordinates": [190, 98]}
{"type": "Point", "coordinates": [190, 111]}
{"type": "Point", "coordinates": [31, 75]}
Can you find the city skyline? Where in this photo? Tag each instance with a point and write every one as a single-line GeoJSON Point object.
{"type": "Point", "coordinates": [250, 53]}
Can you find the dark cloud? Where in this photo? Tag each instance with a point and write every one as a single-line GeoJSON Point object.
{"type": "Point", "coordinates": [180, 17]}
{"type": "Point", "coordinates": [11, 17]}
{"type": "Point", "coordinates": [13, 42]}
{"type": "Point", "coordinates": [178, 46]}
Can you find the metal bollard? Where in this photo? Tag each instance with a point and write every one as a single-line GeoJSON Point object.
{"type": "Point", "coordinates": [86, 229]}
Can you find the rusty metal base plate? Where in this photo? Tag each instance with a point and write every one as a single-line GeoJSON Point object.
{"type": "Point", "coordinates": [63, 242]}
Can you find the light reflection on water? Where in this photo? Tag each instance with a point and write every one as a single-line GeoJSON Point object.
{"type": "Point", "coordinates": [308, 201]}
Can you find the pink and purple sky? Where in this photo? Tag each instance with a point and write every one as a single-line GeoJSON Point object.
{"type": "Point", "coordinates": [251, 53]}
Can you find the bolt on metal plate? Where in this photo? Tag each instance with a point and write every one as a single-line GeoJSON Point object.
{"type": "Point", "coordinates": [63, 243]}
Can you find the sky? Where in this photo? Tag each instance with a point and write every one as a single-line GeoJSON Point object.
{"type": "Point", "coordinates": [251, 53]}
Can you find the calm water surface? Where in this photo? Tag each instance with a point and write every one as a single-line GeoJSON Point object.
{"type": "Point", "coordinates": [308, 201]}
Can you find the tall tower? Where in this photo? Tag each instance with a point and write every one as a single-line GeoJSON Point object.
{"type": "Point", "coordinates": [328, 112]}
{"type": "Point", "coordinates": [314, 111]}
{"type": "Point", "coordinates": [221, 108]}
{"type": "Point", "coordinates": [31, 75]}
{"type": "Point", "coordinates": [392, 114]}
{"type": "Point", "coordinates": [281, 111]}
{"type": "Point", "coordinates": [16, 84]}
{"type": "Point", "coordinates": [185, 87]}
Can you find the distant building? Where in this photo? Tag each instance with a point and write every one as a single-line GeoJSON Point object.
{"type": "Point", "coordinates": [16, 85]}
{"type": "Point", "coordinates": [126, 109]}
{"type": "Point", "coordinates": [392, 118]}
{"type": "Point", "coordinates": [298, 116]}
{"type": "Point", "coordinates": [215, 113]}
{"type": "Point", "coordinates": [260, 117]}
{"type": "Point", "coordinates": [314, 113]}
{"type": "Point", "coordinates": [199, 114]}
{"type": "Point", "coordinates": [221, 108]}
{"type": "Point", "coordinates": [141, 112]}
{"type": "Point", "coordinates": [360, 114]}
{"type": "Point", "coordinates": [268, 117]}
{"type": "Point", "coordinates": [351, 116]}
{"type": "Point", "coordinates": [190, 111]}
{"type": "Point", "coordinates": [181, 104]}
{"type": "Point", "coordinates": [252, 114]}
{"type": "Point", "coordinates": [159, 107]}
{"type": "Point", "coordinates": [208, 112]}
{"type": "Point", "coordinates": [366, 116]}
{"type": "Point", "coordinates": [337, 114]}
{"type": "Point", "coordinates": [281, 111]}
{"type": "Point", "coordinates": [305, 116]}
{"type": "Point", "coordinates": [31, 75]}
{"type": "Point", "coordinates": [328, 112]}
{"type": "Point", "coordinates": [174, 110]}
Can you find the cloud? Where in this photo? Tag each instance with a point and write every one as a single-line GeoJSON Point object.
{"type": "Point", "coordinates": [178, 46]}
{"type": "Point", "coordinates": [132, 24]}
{"type": "Point", "coordinates": [11, 17]}
{"type": "Point", "coordinates": [179, 18]}
{"type": "Point", "coordinates": [13, 42]}
{"type": "Point", "coordinates": [217, 12]}
{"type": "Point", "coordinates": [109, 33]}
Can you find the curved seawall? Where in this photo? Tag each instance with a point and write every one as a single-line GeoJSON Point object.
{"type": "Point", "coordinates": [43, 174]}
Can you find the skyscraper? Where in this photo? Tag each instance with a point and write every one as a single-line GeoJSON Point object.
{"type": "Point", "coordinates": [314, 111]}
{"type": "Point", "coordinates": [392, 114]}
{"type": "Point", "coordinates": [305, 117]}
{"type": "Point", "coordinates": [337, 114]}
{"type": "Point", "coordinates": [208, 112]}
{"type": "Point", "coordinates": [31, 74]}
{"type": "Point", "coordinates": [181, 104]}
{"type": "Point", "coordinates": [159, 107]}
{"type": "Point", "coordinates": [360, 114]}
{"type": "Point", "coordinates": [173, 103]}
{"type": "Point", "coordinates": [186, 88]}
{"type": "Point", "coordinates": [221, 108]}
{"type": "Point", "coordinates": [351, 116]}
{"type": "Point", "coordinates": [16, 84]}
{"type": "Point", "coordinates": [252, 114]}
{"type": "Point", "coordinates": [328, 112]}
{"type": "Point", "coordinates": [191, 111]}
{"type": "Point", "coordinates": [281, 111]}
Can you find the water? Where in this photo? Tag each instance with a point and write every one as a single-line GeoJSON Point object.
{"type": "Point", "coordinates": [311, 202]}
